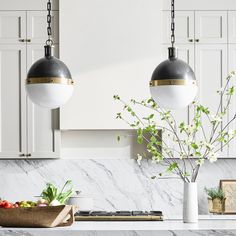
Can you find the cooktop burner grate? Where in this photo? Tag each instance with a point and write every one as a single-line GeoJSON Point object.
{"type": "Point", "coordinates": [118, 215]}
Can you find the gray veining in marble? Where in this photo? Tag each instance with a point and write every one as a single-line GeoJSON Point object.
{"type": "Point", "coordinates": [125, 233]}
{"type": "Point", "coordinates": [114, 184]}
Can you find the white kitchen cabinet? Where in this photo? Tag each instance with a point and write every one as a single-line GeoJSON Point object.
{"type": "Point", "coordinates": [13, 101]}
{"type": "Point", "coordinates": [114, 48]}
{"type": "Point", "coordinates": [26, 130]}
{"type": "Point", "coordinates": [42, 124]}
{"type": "Point", "coordinates": [186, 53]}
{"type": "Point", "coordinates": [27, 5]}
{"type": "Point", "coordinates": [212, 5]}
{"type": "Point", "coordinates": [232, 26]}
{"type": "Point", "coordinates": [232, 67]}
{"type": "Point", "coordinates": [207, 54]}
{"type": "Point", "coordinates": [211, 27]}
{"type": "Point", "coordinates": [211, 71]}
{"type": "Point", "coordinates": [197, 26]}
{"type": "Point", "coordinates": [184, 27]}
{"type": "Point", "coordinates": [37, 26]}
{"type": "Point", "coordinates": [12, 26]}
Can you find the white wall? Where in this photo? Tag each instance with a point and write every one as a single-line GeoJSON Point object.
{"type": "Point", "coordinates": [111, 47]}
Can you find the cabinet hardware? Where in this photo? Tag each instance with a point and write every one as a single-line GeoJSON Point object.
{"type": "Point", "coordinates": [190, 40]}
{"type": "Point", "coordinates": [28, 155]}
{"type": "Point", "coordinates": [22, 40]}
{"type": "Point", "coordinates": [197, 40]}
{"type": "Point", "coordinates": [28, 40]}
{"type": "Point", "coordinates": [22, 155]}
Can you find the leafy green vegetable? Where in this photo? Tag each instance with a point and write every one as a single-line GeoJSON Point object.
{"type": "Point", "coordinates": [51, 193]}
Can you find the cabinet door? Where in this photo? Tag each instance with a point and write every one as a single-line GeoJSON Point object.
{"type": "Point", "coordinates": [43, 133]}
{"type": "Point", "coordinates": [13, 101]}
{"type": "Point", "coordinates": [211, 71]}
{"type": "Point", "coordinates": [184, 27]}
{"type": "Point", "coordinates": [211, 27]}
{"type": "Point", "coordinates": [232, 67]}
{"type": "Point", "coordinates": [12, 26]}
{"type": "Point", "coordinates": [232, 26]}
{"type": "Point", "coordinates": [37, 26]}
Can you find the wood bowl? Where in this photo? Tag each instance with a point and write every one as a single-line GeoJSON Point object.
{"type": "Point", "coordinates": [46, 217]}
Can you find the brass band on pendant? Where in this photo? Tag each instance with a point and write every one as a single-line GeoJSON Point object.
{"type": "Point", "coordinates": [154, 83]}
{"type": "Point", "coordinates": [49, 80]}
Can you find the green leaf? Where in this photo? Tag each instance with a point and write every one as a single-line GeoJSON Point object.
{"type": "Point", "coordinates": [182, 127]}
{"type": "Point", "coordinates": [230, 91]}
{"type": "Point", "coordinates": [140, 139]}
{"type": "Point", "coordinates": [194, 145]}
{"type": "Point", "coordinates": [172, 167]}
{"type": "Point", "coordinates": [203, 109]}
{"type": "Point", "coordinates": [198, 154]}
{"type": "Point", "coordinates": [153, 139]}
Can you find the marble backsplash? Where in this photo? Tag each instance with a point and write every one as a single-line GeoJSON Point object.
{"type": "Point", "coordinates": [114, 184]}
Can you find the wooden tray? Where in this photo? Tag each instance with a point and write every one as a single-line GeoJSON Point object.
{"type": "Point", "coordinates": [47, 217]}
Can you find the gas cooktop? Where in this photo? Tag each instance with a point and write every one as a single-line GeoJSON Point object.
{"type": "Point", "coordinates": [118, 215]}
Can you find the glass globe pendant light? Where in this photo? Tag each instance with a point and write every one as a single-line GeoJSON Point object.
{"type": "Point", "coordinates": [49, 83]}
{"type": "Point", "coordinates": [173, 83]}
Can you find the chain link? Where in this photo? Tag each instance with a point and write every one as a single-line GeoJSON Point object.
{"type": "Point", "coordinates": [172, 22]}
{"type": "Point", "coordinates": [49, 21]}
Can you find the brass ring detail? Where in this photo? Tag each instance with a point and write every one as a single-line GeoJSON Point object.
{"type": "Point", "coordinates": [49, 80]}
{"type": "Point", "coordinates": [154, 83]}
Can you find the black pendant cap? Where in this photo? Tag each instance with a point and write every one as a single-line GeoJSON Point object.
{"type": "Point", "coordinates": [49, 66]}
{"type": "Point", "coordinates": [173, 69]}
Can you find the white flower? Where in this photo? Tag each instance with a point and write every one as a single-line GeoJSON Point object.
{"type": "Point", "coordinates": [155, 160]}
{"type": "Point", "coordinates": [139, 159]}
{"type": "Point", "coordinates": [181, 156]}
{"type": "Point", "coordinates": [231, 133]}
{"type": "Point", "coordinates": [200, 161]}
{"type": "Point", "coordinates": [190, 129]}
{"type": "Point", "coordinates": [208, 145]}
{"type": "Point", "coordinates": [213, 156]}
{"type": "Point", "coordinates": [216, 119]}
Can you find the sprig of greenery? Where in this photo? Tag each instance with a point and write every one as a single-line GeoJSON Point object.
{"type": "Point", "coordinates": [187, 141]}
{"type": "Point", "coordinates": [214, 193]}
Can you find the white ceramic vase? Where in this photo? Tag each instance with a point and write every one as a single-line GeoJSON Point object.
{"type": "Point", "coordinates": [190, 203]}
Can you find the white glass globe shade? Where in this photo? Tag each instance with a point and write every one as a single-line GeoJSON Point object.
{"type": "Point", "coordinates": [173, 97]}
{"type": "Point", "coordinates": [49, 95]}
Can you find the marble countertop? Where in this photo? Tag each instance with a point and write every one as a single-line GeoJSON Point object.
{"type": "Point", "coordinates": [167, 225]}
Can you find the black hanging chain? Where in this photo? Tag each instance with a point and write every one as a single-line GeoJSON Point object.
{"type": "Point", "coordinates": [172, 22]}
{"type": "Point", "coordinates": [49, 21]}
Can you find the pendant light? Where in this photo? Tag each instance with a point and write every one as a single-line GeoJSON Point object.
{"type": "Point", "coordinates": [173, 83]}
{"type": "Point", "coordinates": [49, 83]}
